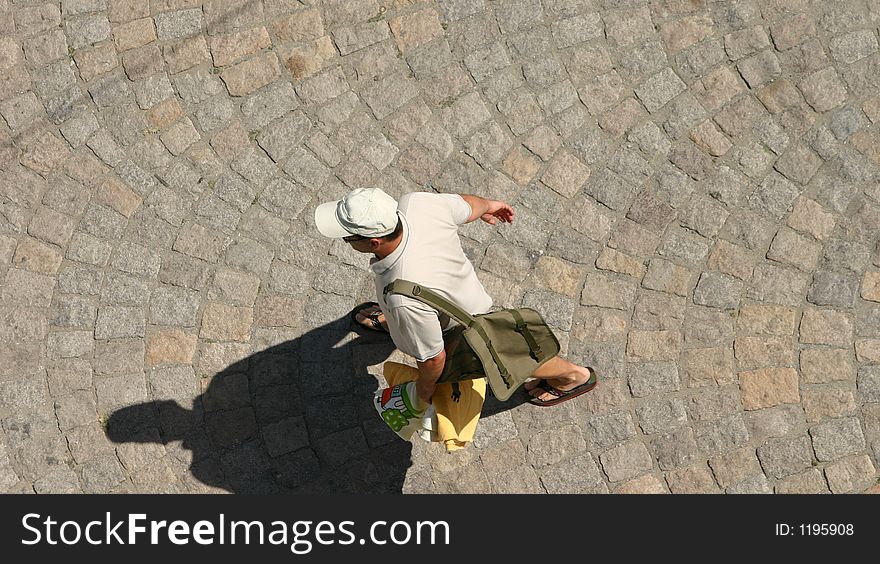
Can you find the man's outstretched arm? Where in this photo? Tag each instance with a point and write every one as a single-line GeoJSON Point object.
{"type": "Point", "coordinates": [490, 211]}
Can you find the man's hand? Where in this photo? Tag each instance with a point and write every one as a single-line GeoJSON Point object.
{"type": "Point", "coordinates": [498, 211]}
{"type": "Point", "coordinates": [429, 372]}
{"type": "Point", "coordinates": [490, 211]}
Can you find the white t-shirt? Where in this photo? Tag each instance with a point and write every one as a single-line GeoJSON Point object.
{"type": "Point", "coordinates": [429, 254]}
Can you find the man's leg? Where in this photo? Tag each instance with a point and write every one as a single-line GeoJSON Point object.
{"type": "Point", "coordinates": [559, 373]}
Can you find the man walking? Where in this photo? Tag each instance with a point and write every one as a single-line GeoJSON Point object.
{"type": "Point", "coordinates": [416, 239]}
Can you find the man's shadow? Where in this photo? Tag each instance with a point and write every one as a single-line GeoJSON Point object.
{"type": "Point", "coordinates": [296, 418]}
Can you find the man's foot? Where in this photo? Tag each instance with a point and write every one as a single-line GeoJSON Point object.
{"type": "Point", "coordinates": [369, 315]}
{"type": "Point", "coordinates": [553, 391]}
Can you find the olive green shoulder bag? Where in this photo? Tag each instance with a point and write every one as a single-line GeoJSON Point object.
{"type": "Point", "coordinates": [505, 346]}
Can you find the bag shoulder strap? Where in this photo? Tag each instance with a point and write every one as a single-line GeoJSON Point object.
{"type": "Point", "coordinates": [429, 297]}
{"type": "Point", "coordinates": [438, 302]}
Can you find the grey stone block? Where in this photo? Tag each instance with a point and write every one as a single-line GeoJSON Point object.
{"type": "Point", "coordinates": [174, 307]}
{"type": "Point", "coordinates": [837, 438]}
{"type": "Point", "coordinates": [721, 435]}
{"type": "Point", "coordinates": [578, 475]}
{"type": "Point", "coordinates": [611, 429]}
{"type": "Point", "coordinates": [653, 378]}
{"type": "Point", "coordinates": [626, 461]}
{"type": "Point", "coordinates": [785, 456]}
{"type": "Point", "coordinates": [676, 449]}
{"type": "Point", "coordinates": [659, 415]}
{"type": "Point", "coordinates": [116, 322]}
{"type": "Point", "coordinates": [718, 290]}
{"type": "Point", "coordinates": [833, 289]}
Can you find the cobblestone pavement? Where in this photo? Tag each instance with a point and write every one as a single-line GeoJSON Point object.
{"type": "Point", "coordinates": [698, 194]}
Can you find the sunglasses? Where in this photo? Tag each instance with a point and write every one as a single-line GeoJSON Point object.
{"type": "Point", "coordinates": [352, 238]}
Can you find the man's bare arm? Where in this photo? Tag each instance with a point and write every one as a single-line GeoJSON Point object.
{"type": "Point", "coordinates": [429, 372]}
{"type": "Point", "coordinates": [490, 211]}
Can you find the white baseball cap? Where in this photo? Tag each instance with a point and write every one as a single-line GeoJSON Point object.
{"type": "Point", "coordinates": [368, 212]}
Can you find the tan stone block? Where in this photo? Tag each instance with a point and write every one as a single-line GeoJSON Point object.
{"type": "Point", "coordinates": [234, 287]}
{"type": "Point", "coordinates": [303, 62]}
{"type": "Point", "coordinates": [127, 10]}
{"type": "Point", "coordinates": [647, 484]}
{"type": "Point", "coordinates": [86, 168]}
{"type": "Point", "coordinates": [279, 311]}
{"type": "Point", "coordinates": [739, 116]}
{"type": "Point", "coordinates": [135, 33]}
{"type": "Point", "coordinates": [780, 96]}
{"type": "Point", "coordinates": [250, 75]}
{"type": "Point", "coordinates": [10, 53]}
{"type": "Point", "coordinates": [717, 88]}
{"type": "Point", "coordinates": [216, 357]}
{"type": "Point", "coordinates": [867, 142]}
{"type": "Point", "coordinates": [734, 467]}
{"type": "Point", "coordinates": [823, 90]}
{"type": "Point", "coordinates": [868, 350]}
{"type": "Point", "coordinates": [760, 319]}
{"type": "Point", "coordinates": [165, 113]}
{"type": "Point", "coordinates": [620, 119]}
{"type": "Point", "coordinates": [665, 276]}
{"type": "Point", "coordinates": [415, 29]}
{"type": "Point", "coordinates": [872, 109]}
{"type": "Point", "coordinates": [115, 194]}
{"type": "Point", "coordinates": [36, 256]}
{"type": "Point", "coordinates": [695, 479]}
{"type": "Point", "coordinates": [566, 174]}
{"type": "Point", "coordinates": [810, 217]}
{"type": "Point", "coordinates": [43, 48]}
{"type": "Point", "coordinates": [826, 327]}
{"type": "Point", "coordinates": [96, 61]}
{"type": "Point", "coordinates": [178, 137]}
{"type": "Point", "coordinates": [792, 31]}
{"type": "Point", "coordinates": [646, 346]}
{"type": "Point", "coordinates": [611, 396]}
{"type": "Point", "coordinates": [608, 291]}
{"type": "Point", "coordinates": [521, 165]}
{"type": "Point", "coordinates": [557, 275]}
{"type": "Point", "coordinates": [708, 138]}
{"type": "Point", "coordinates": [588, 219]}
{"type": "Point", "coordinates": [43, 152]}
{"type": "Point", "coordinates": [789, 247]}
{"type": "Point", "coordinates": [871, 286]}
{"type": "Point", "coordinates": [51, 226]}
{"type": "Point", "coordinates": [142, 62]}
{"type": "Point", "coordinates": [185, 54]}
{"type": "Point", "coordinates": [615, 261]}
{"type": "Point", "coordinates": [764, 351]}
{"type": "Point", "coordinates": [170, 347]}
{"type": "Point", "coordinates": [222, 322]}
{"type": "Point", "coordinates": [708, 367]}
{"type": "Point", "coordinates": [809, 482]}
{"type": "Point", "coordinates": [230, 141]}
{"type": "Point", "coordinates": [768, 387]}
{"type": "Point", "coordinates": [228, 48]}
{"type": "Point", "coordinates": [827, 401]}
{"type": "Point", "coordinates": [819, 366]}
{"type": "Point", "coordinates": [731, 259]}
{"type": "Point", "coordinates": [598, 325]}
{"type": "Point", "coordinates": [298, 27]}
{"type": "Point", "coordinates": [852, 474]}
{"type": "Point", "coordinates": [684, 32]}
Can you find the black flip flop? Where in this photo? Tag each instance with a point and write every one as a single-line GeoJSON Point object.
{"type": "Point", "coordinates": [374, 323]}
{"type": "Point", "coordinates": [560, 395]}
